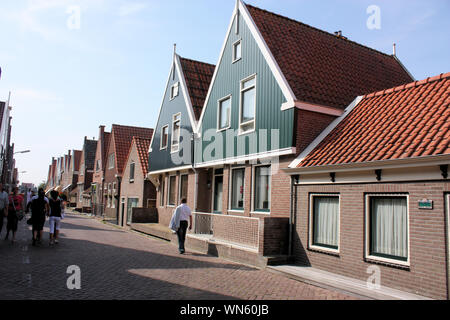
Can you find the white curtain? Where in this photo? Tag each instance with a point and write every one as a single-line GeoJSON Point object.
{"type": "Point", "coordinates": [390, 227]}
{"type": "Point", "coordinates": [326, 221]}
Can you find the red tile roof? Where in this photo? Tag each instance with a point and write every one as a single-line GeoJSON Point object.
{"type": "Point", "coordinates": [409, 121]}
{"type": "Point", "coordinates": [123, 136]}
{"type": "Point", "coordinates": [142, 146]}
{"type": "Point", "coordinates": [322, 68]}
{"type": "Point", "coordinates": [198, 76]}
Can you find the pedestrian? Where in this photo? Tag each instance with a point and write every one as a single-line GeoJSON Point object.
{"type": "Point", "coordinates": [14, 214]}
{"type": "Point", "coordinates": [4, 202]}
{"type": "Point", "coordinates": [181, 219]}
{"type": "Point", "coordinates": [39, 208]}
{"type": "Point", "coordinates": [56, 213]}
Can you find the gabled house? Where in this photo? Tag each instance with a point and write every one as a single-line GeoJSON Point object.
{"type": "Point", "coordinates": [374, 190]}
{"type": "Point", "coordinates": [118, 149]}
{"type": "Point", "coordinates": [277, 85]}
{"type": "Point", "coordinates": [136, 189]}
{"type": "Point", "coordinates": [170, 159]}
{"type": "Point", "coordinates": [85, 173]}
{"type": "Point", "coordinates": [99, 171]}
{"type": "Point", "coordinates": [71, 188]}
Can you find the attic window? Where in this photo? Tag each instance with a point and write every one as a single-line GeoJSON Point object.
{"type": "Point", "coordinates": [176, 132]}
{"type": "Point", "coordinates": [237, 51]}
{"type": "Point", "coordinates": [164, 137]}
{"type": "Point", "coordinates": [174, 91]}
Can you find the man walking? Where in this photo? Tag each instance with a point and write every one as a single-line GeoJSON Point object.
{"type": "Point", "coordinates": [4, 203]}
{"type": "Point", "coordinates": [179, 223]}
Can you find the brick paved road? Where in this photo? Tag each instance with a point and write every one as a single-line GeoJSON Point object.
{"type": "Point", "coordinates": [123, 265]}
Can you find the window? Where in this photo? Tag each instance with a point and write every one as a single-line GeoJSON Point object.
{"type": "Point", "coordinates": [82, 170]}
{"type": "Point", "coordinates": [164, 137]}
{"type": "Point", "coordinates": [111, 161]}
{"type": "Point", "coordinates": [97, 166]}
{"type": "Point", "coordinates": [161, 192]}
{"type": "Point", "coordinates": [176, 133]}
{"type": "Point", "coordinates": [237, 51]}
{"type": "Point", "coordinates": [184, 186]}
{"type": "Point", "coordinates": [174, 90]}
{"type": "Point", "coordinates": [172, 191]}
{"type": "Point", "coordinates": [388, 228]}
{"type": "Point", "coordinates": [131, 203]}
{"type": "Point", "coordinates": [324, 225]}
{"type": "Point", "coordinates": [262, 188]}
{"type": "Point", "coordinates": [224, 114]}
{"type": "Point", "coordinates": [248, 105]}
{"type": "Point", "coordinates": [237, 189]}
{"type": "Point", "coordinates": [132, 165]}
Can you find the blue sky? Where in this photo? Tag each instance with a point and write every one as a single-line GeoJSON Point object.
{"type": "Point", "coordinates": [65, 82]}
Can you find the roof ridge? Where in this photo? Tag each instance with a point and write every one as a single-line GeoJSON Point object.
{"type": "Point", "coordinates": [198, 61]}
{"type": "Point", "coordinates": [408, 85]}
{"type": "Point", "coordinates": [320, 30]}
{"type": "Point", "coordinates": [125, 126]}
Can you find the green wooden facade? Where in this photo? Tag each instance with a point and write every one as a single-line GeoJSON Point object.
{"type": "Point", "coordinates": [211, 145]}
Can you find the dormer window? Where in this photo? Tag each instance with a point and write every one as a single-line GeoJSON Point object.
{"type": "Point", "coordinates": [237, 51]}
{"type": "Point", "coordinates": [174, 90]}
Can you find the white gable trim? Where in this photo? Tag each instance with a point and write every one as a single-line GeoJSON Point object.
{"type": "Point", "coordinates": [279, 76]}
{"type": "Point", "coordinates": [160, 108]}
{"type": "Point", "coordinates": [324, 133]}
{"type": "Point", "coordinates": [273, 65]}
{"type": "Point", "coordinates": [187, 98]}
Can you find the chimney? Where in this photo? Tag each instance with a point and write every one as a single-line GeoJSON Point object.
{"type": "Point", "coordinates": [338, 33]}
{"type": "Point", "coordinates": [394, 49]}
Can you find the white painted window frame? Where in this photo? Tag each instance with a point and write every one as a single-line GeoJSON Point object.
{"type": "Point", "coordinates": [219, 112]}
{"type": "Point", "coordinates": [179, 185]}
{"type": "Point", "coordinates": [311, 245]}
{"type": "Point", "coordinates": [368, 235]}
{"type": "Point", "coordinates": [169, 189]}
{"type": "Point", "coordinates": [161, 147]}
{"type": "Point", "coordinates": [234, 51]}
{"type": "Point", "coordinates": [172, 150]}
{"type": "Point", "coordinates": [213, 188]}
{"type": "Point", "coordinates": [241, 92]}
{"type": "Point", "coordinates": [111, 165]}
{"type": "Point", "coordinates": [131, 180]}
{"type": "Point", "coordinates": [172, 90]}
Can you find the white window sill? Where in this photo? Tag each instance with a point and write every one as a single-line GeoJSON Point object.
{"type": "Point", "coordinates": [389, 261]}
{"type": "Point", "coordinates": [324, 250]}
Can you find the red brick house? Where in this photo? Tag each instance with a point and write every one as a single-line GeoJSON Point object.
{"type": "Point", "coordinates": [277, 85]}
{"type": "Point", "coordinates": [99, 171]}
{"type": "Point", "coordinates": [118, 149]}
{"type": "Point", "coordinates": [136, 190]}
{"type": "Point", "coordinates": [373, 190]}
{"type": "Point", "coordinates": [85, 173]}
{"type": "Point", "coordinates": [72, 173]}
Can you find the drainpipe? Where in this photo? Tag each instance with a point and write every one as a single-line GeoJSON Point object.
{"type": "Point", "coordinates": [118, 199]}
{"type": "Point", "coordinates": [293, 213]}
{"type": "Point", "coordinates": [196, 176]}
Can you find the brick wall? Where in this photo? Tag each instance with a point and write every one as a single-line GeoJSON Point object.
{"type": "Point", "coordinates": [308, 125]}
{"type": "Point", "coordinates": [427, 273]}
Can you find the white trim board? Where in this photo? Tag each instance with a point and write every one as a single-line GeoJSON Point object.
{"type": "Point", "coordinates": [273, 65]}
{"type": "Point", "coordinates": [256, 156]}
{"type": "Point", "coordinates": [325, 133]}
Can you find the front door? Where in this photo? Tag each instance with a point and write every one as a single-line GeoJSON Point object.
{"type": "Point", "coordinates": [218, 194]}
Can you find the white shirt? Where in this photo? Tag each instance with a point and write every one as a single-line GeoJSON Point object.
{"type": "Point", "coordinates": [185, 212]}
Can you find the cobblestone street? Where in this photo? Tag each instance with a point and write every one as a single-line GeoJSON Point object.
{"type": "Point", "coordinates": [116, 264]}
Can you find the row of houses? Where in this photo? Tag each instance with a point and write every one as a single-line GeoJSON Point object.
{"type": "Point", "coordinates": [299, 145]}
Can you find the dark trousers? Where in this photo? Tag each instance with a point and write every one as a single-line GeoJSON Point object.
{"type": "Point", "coordinates": [181, 233]}
{"type": "Point", "coordinates": [2, 217]}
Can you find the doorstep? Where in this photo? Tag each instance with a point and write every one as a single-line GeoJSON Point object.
{"type": "Point", "coordinates": [330, 280]}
